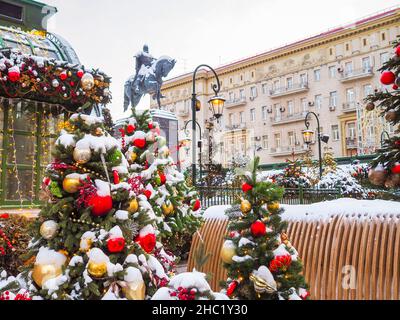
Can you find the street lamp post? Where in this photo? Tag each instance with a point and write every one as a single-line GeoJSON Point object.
{"type": "Point", "coordinates": [308, 137]}
{"type": "Point", "coordinates": [199, 143]}
{"type": "Point", "coordinates": [216, 105]}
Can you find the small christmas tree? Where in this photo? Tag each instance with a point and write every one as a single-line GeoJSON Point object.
{"type": "Point", "coordinates": [385, 169]}
{"type": "Point", "coordinates": [176, 205]}
{"type": "Point", "coordinates": [96, 238]}
{"type": "Point", "coordinates": [293, 175]}
{"type": "Point", "coordinates": [328, 162]}
{"type": "Point", "coordinates": [261, 262]}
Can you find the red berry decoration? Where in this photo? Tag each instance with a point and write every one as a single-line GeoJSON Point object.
{"type": "Point", "coordinates": [246, 187]}
{"type": "Point", "coordinates": [397, 51]}
{"type": "Point", "coordinates": [197, 205]}
{"type": "Point", "coordinates": [163, 178]}
{"type": "Point", "coordinates": [139, 143]}
{"type": "Point", "coordinates": [130, 129]}
{"type": "Point", "coordinates": [147, 242]}
{"type": "Point", "coordinates": [147, 193]}
{"type": "Point", "coordinates": [280, 263]}
{"type": "Point", "coordinates": [151, 126]}
{"type": "Point", "coordinates": [396, 168]}
{"type": "Point", "coordinates": [397, 143]}
{"type": "Point", "coordinates": [395, 87]}
{"type": "Point", "coordinates": [100, 205]}
{"type": "Point", "coordinates": [63, 75]}
{"type": "Point", "coordinates": [388, 77]}
{"type": "Point", "coordinates": [80, 73]}
{"type": "Point", "coordinates": [258, 229]}
{"type": "Point", "coordinates": [14, 74]}
{"type": "Point", "coordinates": [116, 177]}
{"type": "Point", "coordinates": [115, 245]}
{"type": "Point", "coordinates": [232, 288]}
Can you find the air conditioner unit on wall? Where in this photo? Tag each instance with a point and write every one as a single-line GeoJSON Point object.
{"type": "Point", "coordinates": [332, 108]}
{"type": "Point", "coordinates": [311, 103]}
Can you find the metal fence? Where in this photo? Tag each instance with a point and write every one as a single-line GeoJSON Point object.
{"type": "Point", "coordinates": [214, 196]}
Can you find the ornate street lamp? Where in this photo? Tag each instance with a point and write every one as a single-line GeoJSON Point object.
{"type": "Point", "coordinates": [383, 140]}
{"type": "Point", "coordinates": [216, 105]}
{"type": "Point", "coordinates": [309, 134]}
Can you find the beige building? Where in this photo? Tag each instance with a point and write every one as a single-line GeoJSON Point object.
{"type": "Point", "coordinates": [268, 95]}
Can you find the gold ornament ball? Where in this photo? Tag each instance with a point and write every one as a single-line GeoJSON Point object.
{"type": "Point", "coordinates": [135, 291]}
{"type": "Point", "coordinates": [273, 206]}
{"type": "Point", "coordinates": [97, 270]}
{"type": "Point", "coordinates": [48, 229]}
{"type": "Point", "coordinates": [245, 206]}
{"type": "Point", "coordinates": [133, 206]}
{"type": "Point", "coordinates": [228, 251]}
{"type": "Point", "coordinates": [87, 81]}
{"type": "Point", "coordinates": [44, 272]}
{"type": "Point", "coordinates": [167, 209]}
{"type": "Point", "coordinates": [99, 132]}
{"type": "Point", "coordinates": [71, 185]}
{"type": "Point", "coordinates": [133, 156]}
{"type": "Point", "coordinates": [82, 156]}
{"type": "Point", "coordinates": [370, 106]}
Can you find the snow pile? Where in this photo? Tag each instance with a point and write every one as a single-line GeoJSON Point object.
{"type": "Point", "coordinates": [216, 212]}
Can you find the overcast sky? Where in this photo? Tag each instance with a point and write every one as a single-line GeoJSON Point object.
{"type": "Point", "coordinates": [106, 34]}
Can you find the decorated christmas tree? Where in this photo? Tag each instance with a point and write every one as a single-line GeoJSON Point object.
{"type": "Point", "coordinates": [293, 175]}
{"type": "Point", "coordinates": [260, 260]}
{"type": "Point", "coordinates": [328, 162]}
{"type": "Point", "coordinates": [97, 236]}
{"type": "Point", "coordinates": [386, 167]}
{"type": "Point", "coordinates": [176, 205]}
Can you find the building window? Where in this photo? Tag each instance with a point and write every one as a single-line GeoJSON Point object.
{"type": "Point", "coordinates": [264, 113]}
{"type": "Point", "coordinates": [231, 119]}
{"type": "Point", "coordinates": [264, 88]}
{"type": "Point", "coordinates": [242, 94]}
{"type": "Point", "coordinates": [303, 79]}
{"type": "Point", "coordinates": [241, 77]}
{"type": "Point", "coordinates": [318, 101]}
{"type": "Point", "coordinates": [241, 117]}
{"type": "Point", "coordinates": [333, 97]}
{"type": "Point", "coordinates": [252, 74]}
{"type": "Point", "coordinates": [317, 75]}
{"type": "Point", "coordinates": [364, 42]}
{"type": "Point", "coordinates": [383, 36]}
{"type": "Point", "coordinates": [276, 85]}
{"type": "Point", "coordinates": [265, 142]}
{"type": "Point", "coordinates": [304, 105]}
{"type": "Point", "coordinates": [350, 95]}
{"type": "Point", "coordinates": [277, 140]}
{"type": "Point", "coordinates": [348, 68]}
{"type": "Point", "coordinates": [290, 107]}
{"type": "Point", "coordinates": [231, 96]}
{"type": "Point", "coordinates": [331, 51]}
{"type": "Point", "coordinates": [277, 108]}
{"type": "Point", "coordinates": [332, 72]}
{"type": "Point", "coordinates": [347, 47]}
{"type": "Point", "coordinates": [252, 115]}
{"type": "Point", "coordinates": [292, 140]}
{"type": "Point", "coordinates": [367, 90]}
{"type": "Point", "coordinates": [366, 64]}
{"type": "Point", "coordinates": [253, 91]}
{"type": "Point", "coordinates": [289, 83]}
{"type": "Point", "coordinates": [384, 57]}
{"type": "Point", "coordinates": [230, 80]}
{"type": "Point", "coordinates": [10, 10]}
{"type": "Point", "coordinates": [335, 132]}
{"type": "Point", "coordinates": [351, 130]}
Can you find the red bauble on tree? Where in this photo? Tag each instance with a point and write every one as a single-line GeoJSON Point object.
{"type": "Point", "coordinates": [115, 245]}
{"type": "Point", "coordinates": [232, 288]}
{"type": "Point", "coordinates": [100, 205]}
{"type": "Point", "coordinates": [163, 178]}
{"type": "Point", "coordinates": [116, 177]}
{"type": "Point", "coordinates": [63, 75]}
{"type": "Point", "coordinates": [246, 187]}
{"type": "Point", "coordinates": [151, 126]}
{"type": "Point", "coordinates": [280, 263]}
{"type": "Point", "coordinates": [388, 77]}
{"type": "Point", "coordinates": [397, 51]}
{"type": "Point", "coordinates": [130, 129]}
{"type": "Point", "coordinates": [147, 242]}
{"type": "Point", "coordinates": [14, 74]}
{"type": "Point", "coordinates": [80, 73]}
{"type": "Point", "coordinates": [396, 168]}
{"type": "Point", "coordinates": [196, 205]}
{"type": "Point", "coordinates": [258, 229]}
{"type": "Point", "coordinates": [147, 193]}
{"type": "Point", "coordinates": [139, 143]}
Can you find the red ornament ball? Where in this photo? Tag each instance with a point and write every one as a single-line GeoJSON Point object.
{"type": "Point", "coordinates": [147, 193]}
{"type": "Point", "coordinates": [116, 177]}
{"type": "Point", "coordinates": [258, 229]}
{"type": "Point", "coordinates": [130, 129]}
{"type": "Point", "coordinates": [147, 242]}
{"type": "Point", "coordinates": [80, 73]}
{"type": "Point", "coordinates": [100, 205]}
{"type": "Point", "coordinates": [115, 245]}
{"type": "Point", "coordinates": [396, 168]}
{"type": "Point", "coordinates": [397, 51]}
{"type": "Point", "coordinates": [163, 178]}
{"type": "Point", "coordinates": [196, 205]}
{"type": "Point", "coordinates": [395, 87]}
{"type": "Point", "coordinates": [246, 187]}
{"type": "Point", "coordinates": [14, 74]}
{"type": "Point", "coordinates": [231, 288]}
{"type": "Point", "coordinates": [151, 126]}
{"type": "Point", "coordinates": [63, 75]}
{"type": "Point", "coordinates": [388, 77]}
{"type": "Point", "coordinates": [139, 143]}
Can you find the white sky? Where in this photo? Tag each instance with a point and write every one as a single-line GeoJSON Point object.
{"type": "Point", "coordinates": [106, 34]}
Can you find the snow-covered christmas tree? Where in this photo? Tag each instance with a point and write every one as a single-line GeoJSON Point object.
{"type": "Point", "coordinates": [176, 205]}
{"type": "Point", "coordinates": [260, 260]}
{"type": "Point", "coordinates": [97, 236]}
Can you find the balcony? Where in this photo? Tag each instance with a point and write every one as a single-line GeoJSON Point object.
{"type": "Point", "coordinates": [288, 150]}
{"type": "Point", "coordinates": [284, 91]}
{"type": "Point", "coordinates": [357, 74]}
{"type": "Point", "coordinates": [282, 119]}
{"type": "Point", "coordinates": [351, 143]}
{"type": "Point", "coordinates": [235, 102]}
{"type": "Point", "coordinates": [236, 127]}
{"type": "Point", "coordinates": [349, 107]}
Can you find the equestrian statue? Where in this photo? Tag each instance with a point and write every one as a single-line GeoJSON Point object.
{"type": "Point", "coordinates": [147, 79]}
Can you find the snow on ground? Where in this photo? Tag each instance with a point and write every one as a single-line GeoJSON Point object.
{"type": "Point", "coordinates": [325, 210]}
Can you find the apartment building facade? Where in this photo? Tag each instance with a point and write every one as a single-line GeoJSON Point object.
{"type": "Point", "coordinates": [269, 95]}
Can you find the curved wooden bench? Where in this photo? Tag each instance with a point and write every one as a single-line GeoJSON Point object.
{"type": "Point", "coordinates": [345, 257]}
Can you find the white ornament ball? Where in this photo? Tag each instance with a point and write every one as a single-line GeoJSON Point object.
{"type": "Point", "coordinates": [87, 81]}
{"type": "Point", "coordinates": [48, 229]}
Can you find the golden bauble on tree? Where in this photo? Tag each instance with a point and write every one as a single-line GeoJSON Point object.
{"type": "Point", "coordinates": [377, 177]}
{"type": "Point", "coordinates": [82, 156]}
{"type": "Point", "coordinates": [370, 106]}
{"type": "Point", "coordinates": [133, 156]}
{"type": "Point", "coordinates": [133, 206]}
{"type": "Point", "coordinates": [44, 272]}
{"type": "Point", "coordinates": [48, 229]}
{"type": "Point", "coordinates": [228, 251]}
{"type": "Point", "coordinates": [273, 206]}
{"type": "Point", "coordinates": [99, 132]}
{"type": "Point", "coordinates": [87, 81]}
{"type": "Point", "coordinates": [71, 185]}
{"type": "Point", "coordinates": [97, 270]}
{"type": "Point", "coordinates": [135, 291]}
{"type": "Point", "coordinates": [245, 206]}
{"type": "Point", "coordinates": [167, 209]}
